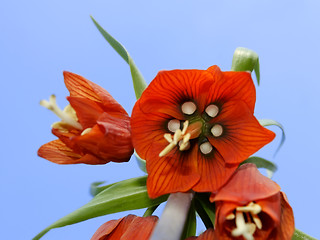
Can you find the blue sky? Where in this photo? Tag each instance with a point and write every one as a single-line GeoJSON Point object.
{"type": "Point", "coordinates": [40, 39]}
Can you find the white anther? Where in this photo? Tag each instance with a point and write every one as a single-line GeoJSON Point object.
{"type": "Point", "coordinates": [231, 216]}
{"type": "Point", "coordinates": [212, 110]}
{"type": "Point", "coordinates": [168, 137]}
{"type": "Point", "coordinates": [206, 148]}
{"type": "Point", "coordinates": [184, 145]}
{"type": "Point", "coordinates": [251, 207]}
{"type": "Point", "coordinates": [173, 125]}
{"type": "Point", "coordinates": [217, 130]}
{"type": "Point", "coordinates": [242, 228]}
{"type": "Point", "coordinates": [87, 130]}
{"type": "Point", "coordinates": [188, 108]}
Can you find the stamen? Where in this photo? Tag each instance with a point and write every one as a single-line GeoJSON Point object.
{"type": "Point", "coordinates": [173, 125]}
{"type": "Point", "coordinates": [231, 216]}
{"type": "Point", "coordinates": [188, 108]}
{"type": "Point", "coordinates": [217, 130]}
{"type": "Point", "coordinates": [179, 136]}
{"type": "Point", "coordinates": [206, 148]}
{"type": "Point", "coordinates": [63, 115]}
{"type": "Point", "coordinates": [247, 229]}
{"type": "Point", "coordinates": [212, 110]}
{"type": "Point", "coordinates": [87, 130]}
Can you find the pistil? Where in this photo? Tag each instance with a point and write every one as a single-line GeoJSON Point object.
{"type": "Point", "coordinates": [63, 115]}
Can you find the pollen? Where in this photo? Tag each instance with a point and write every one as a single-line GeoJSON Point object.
{"type": "Point", "coordinates": [173, 125]}
{"type": "Point", "coordinates": [212, 110]}
{"type": "Point", "coordinates": [217, 130]}
{"type": "Point", "coordinates": [188, 108]}
{"type": "Point", "coordinates": [243, 228]}
{"type": "Point", "coordinates": [206, 148]}
{"type": "Point", "coordinates": [66, 116]}
{"type": "Point", "coordinates": [87, 130]}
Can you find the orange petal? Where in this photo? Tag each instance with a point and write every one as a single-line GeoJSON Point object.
{"type": "Point", "coordinates": [87, 111]}
{"type": "Point", "coordinates": [246, 185]}
{"type": "Point", "coordinates": [109, 140]}
{"type": "Point", "coordinates": [214, 172]}
{"type": "Point", "coordinates": [286, 228]}
{"type": "Point", "coordinates": [170, 89]}
{"type": "Point", "coordinates": [80, 87]}
{"type": "Point", "coordinates": [232, 86]}
{"type": "Point", "coordinates": [127, 228]}
{"type": "Point", "coordinates": [242, 134]}
{"type": "Point", "coordinates": [56, 151]}
{"type": "Point", "coordinates": [175, 172]}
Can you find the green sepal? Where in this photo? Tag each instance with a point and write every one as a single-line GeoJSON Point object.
{"type": "Point", "coordinates": [141, 162]}
{"type": "Point", "coordinates": [246, 60]}
{"type": "Point", "coordinates": [190, 226]}
{"type": "Point", "coordinates": [262, 163]}
{"type": "Point", "coordinates": [139, 83]}
{"type": "Point", "coordinates": [298, 235]}
{"type": "Point", "coordinates": [270, 122]}
{"type": "Point", "coordinates": [122, 196]}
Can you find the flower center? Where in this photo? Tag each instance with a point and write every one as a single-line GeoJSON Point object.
{"type": "Point", "coordinates": [246, 220]}
{"type": "Point", "coordinates": [67, 116]}
{"type": "Point", "coordinates": [193, 127]}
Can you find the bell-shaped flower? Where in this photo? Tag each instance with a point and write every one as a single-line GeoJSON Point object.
{"type": "Point", "coordinates": [94, 128]}
{"type": "Point", "coordinates": [127, 228]}
{"type": "Point", "coordinates": [194, 127]}
{"type": "Point", "coordinates": [250, 206]}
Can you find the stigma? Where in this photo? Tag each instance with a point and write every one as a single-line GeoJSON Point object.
{"type": "Point", "coordinates": [246, 220]}
{"type": "Point", "coordinates": [67, 116]}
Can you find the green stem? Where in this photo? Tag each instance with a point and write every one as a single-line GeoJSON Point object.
{"type": "Point", "coordinates": [150, 210]}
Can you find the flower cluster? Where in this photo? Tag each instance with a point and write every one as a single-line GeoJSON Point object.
{"type": "Point", "coordinates": [193, 128]}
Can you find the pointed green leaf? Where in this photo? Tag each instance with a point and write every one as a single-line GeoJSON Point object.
{"type": "Point", "coordinates": [298, 235]}
{"type": "Point", "coordinates": [139, 83]}
{"type": "Point", "coordinates": [246, 60]}
{"type": "Point", "coordinates": [262, 163]}
{"type": "Point", "coordinates": [270, 122]}
{"type": "Point", "coordinates": [122, 196]}
{"type": "Point", "coordinates": [205, 209]}
{"type": "Point", "coordinates": [141, 162]}
{"type": "Point", "coordinates": [95, 188]}
{"type": "Point", "coordinates": [190, 226]}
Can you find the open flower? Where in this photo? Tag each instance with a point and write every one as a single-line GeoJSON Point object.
{"type": "Point", "coordinates": [194, 127]}
{"type": "Point", "coordinates": [94, 128]}
{"type": "Point", "coordinates": [127, 228]}
{"type": "Point", "coordinates": [251, 206]}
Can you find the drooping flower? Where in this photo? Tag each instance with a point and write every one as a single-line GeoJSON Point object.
{"type": "Point", "coordinates": [251, 206]}
{"type": "Point", "coordinates": [94, 128]}
{"type": "Point", "coordinates": [126, 228]}
{"type": "Point", "coordinates": [194, 127]}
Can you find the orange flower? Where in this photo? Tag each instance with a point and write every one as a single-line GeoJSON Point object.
{"type": "Point", "coordinates": [127, 228]}
{"type": "Point", "coordinates": [95, 129]}
{"type": "Point", "coordinates": [194, 127]}
{"type": "Point", "coordinates": [251, 206]}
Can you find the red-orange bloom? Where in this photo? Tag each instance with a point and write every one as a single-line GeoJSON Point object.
{"type": "Point", "coordinates": [95, 129]}
{"type": "Point", "coordinates": [194, 127]}
{"type": "Point", "coordinates": [251, 206]}
{"type": "Point", "coordinates": [127, 228]}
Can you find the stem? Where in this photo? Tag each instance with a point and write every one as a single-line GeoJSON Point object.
{"type": "Point", "coordinates": [150, 210]}
{"type": "Point", "coordinates": [171, 223]}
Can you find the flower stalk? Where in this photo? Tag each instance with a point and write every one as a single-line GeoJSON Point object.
{"type": "Point", "coordinates": [170, 225]}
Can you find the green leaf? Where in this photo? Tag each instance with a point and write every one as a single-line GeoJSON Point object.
{"type": "Point", "coordinates": [205, 209]}
{"type": "Point", "coordinates": [298, 235]}
{"type": "Point", "coordinates": [122, 196]}
{"type": "Point", "coordinates": [246, 60]}
{"type": "Point", "coordinates": [139, 83]}
{"type": "Point", "coordinates": [141, 162]}
{"type": "Point", "coordinates": [262, 163]}
{"type": "Point", "coordinates": [190, 226]}
{"type": "Point", "coordinates": [270, 122]}
{"type": "Point", "coordinates": [95, 188]}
